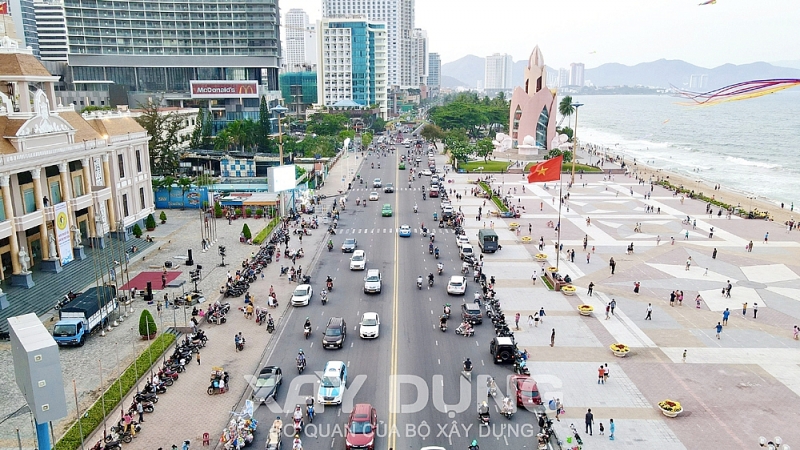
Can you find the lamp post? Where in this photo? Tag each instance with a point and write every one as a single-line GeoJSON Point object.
{"type": "Point", "coordinates": [280, 110]}
{"type": "Point", "coordinates": [575, 147]}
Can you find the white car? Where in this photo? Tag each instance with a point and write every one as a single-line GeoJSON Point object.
{"type": "Point", "coordinates": [426, 172]}
{"type": "Point", "coordinates": [370, 326]}
{"type": "Point", "coordinates": [457, 285]}
{"type": "Point", "coordinates": [466, 250]}
{"type": "Point", "coordinates": [446, 203]}
{"type": "Point", "coordinates": [461, 240]}
{"type": "Point", "coordinates": [302, 295]}
{"type": "Point", "coordinates": [373, 196]}
{"type": "Point", "coordinates": [359, 260]}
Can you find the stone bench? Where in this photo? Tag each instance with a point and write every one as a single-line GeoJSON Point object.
{"type": "Point", "coordinates": [557, 285]}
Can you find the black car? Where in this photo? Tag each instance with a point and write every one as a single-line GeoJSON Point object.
{"type": "Point", "coordinates": [349, 245]}
{"type": "Point", "coordinates": [335, 333]}
{"type": "Point", "coordinates": [388, 189]}
{"type": "Point", "coordinates": [471, 312]}
{"type": "Point", "coordinates": [267, 383]}
{"type": "Point", "coordinates": [503, 349]}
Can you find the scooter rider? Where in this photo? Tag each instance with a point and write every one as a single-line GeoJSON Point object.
{"type": "Point", "coordinates": [329, 282]}
{"type": "Point", "coordinates": [483, 409]}
{"type": "Point", "coordinates": [419, 281]}
{"type": "Point", "coordinates": [415, 207]}
{"type": "Point", "coordinates": [430, 248]}
{"type": "Point", "coordinates": [467, 365]}
{"type": "Point", "coordinates": [447, 309]}
{"type": "Point", "coordinates": [443, 320]}
{"type": "Point", "coordinates": [301, 358]}
{"type": "Point", "coordinates": [430, 279]}
{"type": "Point", "coordinates": [436, 252]}
{"type": "Point", "coordinates": [440, 268]}
{"type": "Point", "coordinates": [310, 408]}
{"type": "Point", "coordinates": [297, 444]}
{"type": "Point", "coordinates": [491, 386]}
{"type": "Point", "coordinates": [307, 324]}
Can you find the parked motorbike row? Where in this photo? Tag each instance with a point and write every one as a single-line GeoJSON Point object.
{"type": "Point", "coordinates": [217, 311]}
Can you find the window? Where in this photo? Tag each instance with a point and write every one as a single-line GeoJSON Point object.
{"type": "Point", "coordinates": [2, 210]}
{"type": "Point", "coordinates": [77, 185]}
{"type": "Point", "coordinates": [541, 129]}
{"type": "Point", "coordinates": [28, 200]}
{"type": "Point", "coordinates": [141, 198]}
{"type": "Point", "coordinates": [138, 161]}
{"type": "Point", "coordinates": [55, 192]}
{"type": "Point", "coordinates": [121, 165]}
{"type": "Point", "coordinates": [125, 205]}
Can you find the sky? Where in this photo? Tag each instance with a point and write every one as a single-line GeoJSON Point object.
{"type": "Point", "coordinates": [595, 32]}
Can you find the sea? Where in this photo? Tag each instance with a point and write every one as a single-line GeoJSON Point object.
{"type": "Point", "coordinates": [750, 146]}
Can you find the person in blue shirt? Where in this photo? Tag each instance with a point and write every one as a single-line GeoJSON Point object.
{"type": "Point", "coordinates": [725, 315]}
{"type": "Point", "coordinates": [719, 329]}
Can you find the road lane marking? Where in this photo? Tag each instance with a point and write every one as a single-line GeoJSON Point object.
{"type": "Point", "coordinates": [392, 423]}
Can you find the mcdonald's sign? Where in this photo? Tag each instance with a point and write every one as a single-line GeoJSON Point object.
{"type": "Point", "coordinates": [224, 89]}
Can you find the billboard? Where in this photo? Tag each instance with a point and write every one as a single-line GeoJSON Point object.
{"type": "Point", "coordinates": [63, 233]}
{"type": "Point", "coordinates": [282, 178]}
{"type": "Point", "coordinates": [224, 89]}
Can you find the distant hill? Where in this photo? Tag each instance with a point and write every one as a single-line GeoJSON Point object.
{"type": "Point", "coordinates": [662, 73]}
{"type": "Point", "coordinates": [793, 64]}
{"type": "Point", "coordinates": [450, 82]}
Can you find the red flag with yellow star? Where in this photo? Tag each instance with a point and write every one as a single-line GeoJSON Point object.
{"type": "Point", "coordinates": [549, 170]}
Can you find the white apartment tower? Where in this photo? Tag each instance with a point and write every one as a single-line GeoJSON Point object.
{"type": "Point", "coordinates": [301, 41]}
{"type": "Point", "coordinates": [51, 27]}
{"type": "Point", "coordinates": [420, 60]}
{"type": "Point", "coordinates": [352, 69]}
{"type": "Point", "coordinates": [563, 77]}
{"type": "Point", "coordinates": [576, 74]}
{"type": "Point", "coordinates": [398, 15]}
{"type": "Point", "coordinates": [497, 74]}
{"type": "Point", "coordinates": [434, 74]}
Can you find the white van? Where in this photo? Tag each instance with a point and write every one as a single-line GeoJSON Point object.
{"type": "Point", "coordinates": [359, 260]}
{"type": "Point", "coordinates": [372, 282]}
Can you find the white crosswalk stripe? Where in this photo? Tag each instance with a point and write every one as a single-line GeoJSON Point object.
{"type": "Point", "coordinates": [390, 231]}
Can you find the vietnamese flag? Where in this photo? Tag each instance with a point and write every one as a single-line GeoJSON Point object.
{"type": "Point", "coordinates": [3, 8]}
{"type": "Point", "coordinates": [549, 170]}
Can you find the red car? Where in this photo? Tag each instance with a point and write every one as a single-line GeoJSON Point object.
{"type": "Point", "coordinates": [525, 390]}
{"type": "Point", "coordinates": [361, 427]}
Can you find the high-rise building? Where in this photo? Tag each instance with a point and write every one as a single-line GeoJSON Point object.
{"type": "Point", "coordinates": [698, 81]}
{"type": "Point", "coordinates": [497, 74]}
{"type": "Point", "coordinates": [399, 18]}
{"type": "Point", "coordinates": [25, 22]}
{"type": "Point", "coordinates": [563, 78]}
{"type": "Point", "coordinates": [51, 28]}
{"type": "Point", "coordinates": [225, 52]}
{"type": "Point", "coordinates": [420, 60]}
{"type": "Point", "coordinates": [434, 74]}
{"type": "Point", "coordinates": [576, 74]}
{"type": "Point", "coordinates": [352, 69]}
{"type": "Point", "coordinates": [301, 41]}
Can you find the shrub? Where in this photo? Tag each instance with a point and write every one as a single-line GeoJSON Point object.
{"type": "Point", "coordinates": [262, 235]}
{"type": "Point", "coordinates": [127, 380]}
{"type": "Point", "coordinates": [238, 212]}
{"type": "Point", "coordinates": [248, 212]}
{"type": "Point", "coordinates": [246, 232]}
{"type": "Point", "coordinates": [150, 222]}
{"type": "Point", "coordinates": [163, 217]}
{"type": "Point", "coordinates": [217, 210]}
{"type": "Point", "coordinates": [259, 212]}
{"type": "Point", "coordinates": [147, 325]}
{"type": "Point", "coordinates": [137, 230]}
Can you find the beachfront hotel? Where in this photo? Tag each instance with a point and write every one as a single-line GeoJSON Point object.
{"type": "Point", "coordinates": [66, 178]}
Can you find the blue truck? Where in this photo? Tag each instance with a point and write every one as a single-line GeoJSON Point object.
{"type": "Point", "coordinates": [81, 316]}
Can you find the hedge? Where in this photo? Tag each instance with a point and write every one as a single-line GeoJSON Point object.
{"type": "Point", "coordinates": [262, 235]}
{"type": "Point", "coordinates": [694, 195]}
{"type": "Point", "coordinates": [94, 415]}
{"type": "Point", "coordinates": [497, 200]}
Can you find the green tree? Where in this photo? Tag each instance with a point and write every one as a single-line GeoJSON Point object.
{"type": "Point", "coordinates": [147, 325]}
{"type": "Point", "coordinates": [565, 130]}
{"type": "Point", "coordinates": [432, 133]}
{"type": "Point", "coordinates": [150, 222]}
{"type": "Point", "coordinates": [346, 134]}
{"type": "Point", "coordinates": [246, 232]}
{"type": "Point", "coordinates": [555, 152]}
{"type": "Point", "coordinates": [163, 128]}
{"type": "Point", "coordinates": [378, 125]}
{"type": "Point", "coordinates": [366, 139]}
{"type": "Point", "coordinates": [137, 230]}
{"type": "Point", "coordinates": [483, 148]}
{"type": "Point", "coordinates": [163, 217]}
{"type": "Point", "coordinates": [459, 152]}
{"type": "Point", "coordinates": [326, 124]}
{"type": "Point", "coordinates": [264, 125]}
{"type": "Point", "coordinates": [198, 140]}
{"type": "Point", "coordinates": [185, 183]}
{"type": "Point", "coordinates": [565, 108]}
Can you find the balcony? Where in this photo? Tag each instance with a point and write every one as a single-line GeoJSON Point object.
{"type": "Point", "coordinates": [28, 221]}
{"type": "Point", "coordinates": [5, 229]}
{"type": "Point", "coordinates": [84, 201]}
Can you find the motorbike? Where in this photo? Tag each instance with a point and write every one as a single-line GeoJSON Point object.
{"type": "Point", "coordinates": [419, 282]}
{"type": "Point", "coordinates": [324, 297]}
{"type": "Point", "coordinates": [430, 281]}
{"type": "Point", "coordinates": [446, 311]}
{"type": "Point", "coordinates": [415, 206]}
{"type": "Point", "coordinates": [240, 345]}
{"type": "Point", "coordinates": [297, 419]}
{"type": "Point", "coordinates": [109, 445]}
{"type": "Point", "coordinates": [484, 419]}
{"type": "Point", "coordinates": [330, 246]}
{"type": "Point", "coordinates": [270, 326]}
{"type": "Point", "coordinates": [306, 331]}
{"type": "Point", "coordinates": [436, 253]}
{"type": "Point", "coordinates": [155, 389]}
{"type": "Point", "coordinates": [521, 368]}
{"type": "Point", "coordinates": [329, 285]}
{"type": "Point", "coordinates": [443, 323]}
{"type": "Point", "coordinates": [301, 366]}
{"type": "Point", "coordinates": [466, 332]}
{"type": "Point", "coordinates": [492, 389]}
{"type": "Point", "coordinates": [147, 407]}
{"type": "Point", "coordinates": [310, 413]}
{"type": "Point", "coordinates": [507, 411]}
{"type": "Point", "coordinates": [440, 266]}
{"type": "Point", "coordinates": [430, 249]}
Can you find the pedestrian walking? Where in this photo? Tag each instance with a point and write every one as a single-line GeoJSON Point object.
{"type": "Point", "coordinates": [530, 321]}
{"type": "Point", "coordinates": [158, 308]}
{"type": "Point", "coordinates": [796, 333]}
{"type": "Point", "coordinates": [766, 238]}
{"type": "Point", "coordinates": [636, 286]}
{"type": "Point", "coordinates": [725, 315]}
{"type": "Point", "coordinates": [684, 355]}
{"type": "Point", "coordinates": [163, 280]}
{"type": "Point", "coordinates": [553, 338]}
{"type": "Point", "coordinates": [605, 372]}
{"type": "Point", "coordinates": [611, 428]}
{"type": "Point", "coordinates": [608, 309]}
{"type": "Point", "coordinates": [688, 263]}
{"type": "Point", "coordinates": [591, 288]}
{"type": "Point", "coordinates": [589, 419]}
{"type": "Point", "coordinates": [672, 296]}
{"type": "Point", "coordinates": [755, 310]}
{"type": "Point", "coordinates": [140, 410]}
{"type": "Point", "coordinates": [649, 312]}
{"type": "Point", "coordinates": [613, 265]}
{"type": "Point", "coordinates": [602, 429]}
{"type": "Point", "coordinates": [613, 305]}
{"type": "Point", "coordinates": [744, 309]}
{"type": "Point", "coordinates": [541, 314]}
{"type": "Point", "coordinates": [559, 409]}
{"type": "Point", "coordinates": [588, 256]}
{"type": "Point", "coordinates": [533, 277]}
{"type": "Point", "coordinates": [516, 321]}
{"type": "Point", "coordinates": [697, 300]}
{"type": "Point", "coordinates": [686, 236]}
{"type": "Point", "coordinates": [714, 254]}
{"type": "Point", "coordinates": [600, 372]}
{"type": "Point", "coordinates": [719, 329]}
{"type": "Point", "coordinates": [197, 357]}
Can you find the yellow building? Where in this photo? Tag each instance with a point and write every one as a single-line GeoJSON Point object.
{"type": "Point", "coordinates": [64, 177]}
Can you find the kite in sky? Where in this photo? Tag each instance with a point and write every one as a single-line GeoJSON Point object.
{"type": "Point", "coordinates": [739, 91]}
{"type": "Point", "coordinates": [709, 2]}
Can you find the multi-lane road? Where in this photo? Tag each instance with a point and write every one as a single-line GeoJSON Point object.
{"type": "Point", "coordinates": [411, 373]}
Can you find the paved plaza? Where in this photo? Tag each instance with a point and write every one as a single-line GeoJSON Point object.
{"type": "Point", "coordinates": [733, 389]}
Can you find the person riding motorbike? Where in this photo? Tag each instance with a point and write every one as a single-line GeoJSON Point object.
{"type": "Point", "coordinates": [483, 412]}
{"type": "Point", "coordinates": [329, 283]}
{"type": "Point", "coordinates": [440, 268]}
{"type": "Point", "coordinates": [474, 445]}
{"type": "Point", "coordinates": [307, 328]}
{"type": "Point", "coordinates": [433, 235]}
{"type": "Point", "coordinates": [324, 296]}
{"type": "Point", "coordinates": [446, 310]}
{"type": "Point", "coordinates": [270, 324]}
{"type": "Point", "coordinates": [373, 165]}
{"type": "Point", "coordinates": [298, 413]}
{"type": "Point", "coordinates": [430, 279]}
{"type": "Point", "coordinates": [430, 248]}
{"type": "Point", "coordinates": [419, 281]}
{"type": "Point", "coordinates": [443, 321]}
{"type": "Point", "coordinates": [491, 387]}
{"type": "Point", "coordinates": [436, 252]}
{"type": "Point", "coordinates": [423, 195]}
{"type": "Point", "coordinates": [415, 206]}
{"type": "Point", "coordinates": [467, 363]}
{"type": "Point", "coordinates": [508, 406]}
{"type": "Point", "coordinates": [297, 444]}
{"type": "Point", "coordinates": [330, 244]}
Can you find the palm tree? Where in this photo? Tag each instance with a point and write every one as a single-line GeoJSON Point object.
{"type": "Point", "coordinates": [185, 183]}
{"type": "Point", "coordinates": [565, 108]}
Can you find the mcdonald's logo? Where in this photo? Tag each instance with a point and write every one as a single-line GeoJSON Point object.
{"type": "Point", "coordinates": [224, 89]}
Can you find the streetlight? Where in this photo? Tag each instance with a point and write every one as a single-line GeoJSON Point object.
{"type": "Point", "coordinates": [774, 444]}
{"type": "Point", "coordinates": [575, 105]}
{"type": "Point", "coordinates": [280, 110]}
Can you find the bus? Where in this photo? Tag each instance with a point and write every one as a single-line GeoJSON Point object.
{"type": "Point", "coordinates": [487, 240]}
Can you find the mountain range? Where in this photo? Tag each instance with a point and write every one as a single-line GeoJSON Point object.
{"type": "Point", "coordinates": [469, 70]}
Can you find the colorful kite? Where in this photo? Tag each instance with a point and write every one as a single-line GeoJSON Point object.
{"type": "Point", "coordinates": [739, 91]}
{"type": "Point", "coordinates": [709, 2]}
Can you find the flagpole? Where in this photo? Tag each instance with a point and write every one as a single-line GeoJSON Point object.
{"type": "Point", "coordinates": [558, 224]}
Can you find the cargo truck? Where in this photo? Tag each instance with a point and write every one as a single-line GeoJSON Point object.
{"type": "Point", "coordinates": [81, 316]}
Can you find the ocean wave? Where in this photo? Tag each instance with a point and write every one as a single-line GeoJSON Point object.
{"type": "Point", "coordinates": [745, 162]}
